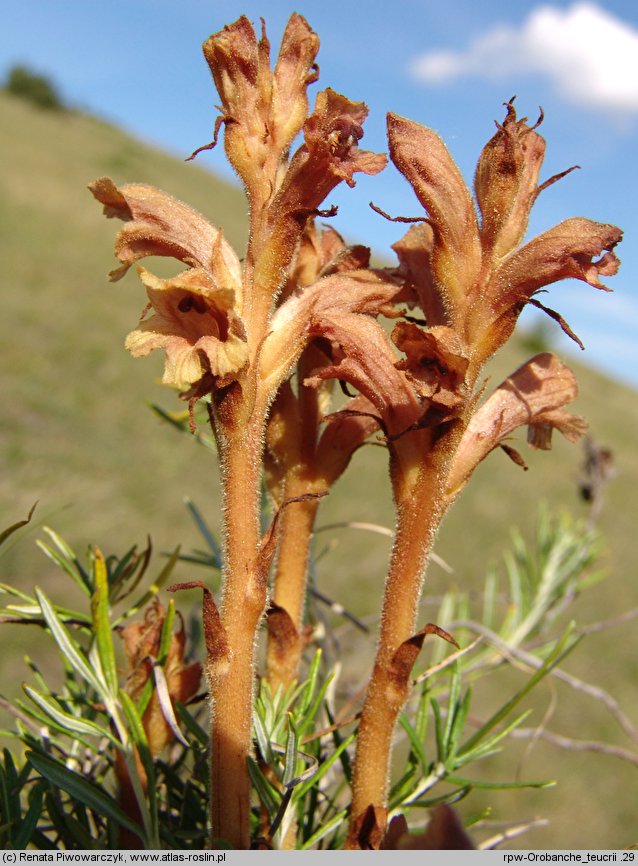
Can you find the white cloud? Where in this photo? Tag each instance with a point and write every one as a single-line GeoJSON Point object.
{"type": "Point", "coordinates": [589, 55]}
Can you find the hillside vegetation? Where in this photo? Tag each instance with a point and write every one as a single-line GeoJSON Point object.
{"type": "Point", "coordinates": [76, 434]}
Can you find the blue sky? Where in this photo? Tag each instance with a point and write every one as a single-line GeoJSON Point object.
{"type": "Point", "coordinates": [449, 65]}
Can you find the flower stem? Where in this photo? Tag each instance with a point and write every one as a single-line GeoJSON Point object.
{"type": "Point", "coordinates": [232, 676]}
{"type": "Point", "coordinates": [418, 517]}
{"type": "Point", "coordinates": [297, 524]}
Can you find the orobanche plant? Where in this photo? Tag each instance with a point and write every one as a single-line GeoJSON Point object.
{"type": "Point", "coordinates": [256, 337]}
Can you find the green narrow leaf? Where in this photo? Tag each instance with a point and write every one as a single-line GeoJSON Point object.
{"type": "Point", "coordinates": [140, 740]}
{"type": "Point", "coordinates": [324, 830]}
{"type": "Point", "coordinates": [290, 761]}
{"type": "Point", "coordinates": [563, 647]}
{"type": "Point", "coordinates": [403, 789]}
{"type": "Point", "coordinates": [80, 788]}
{"type": "Point", "coordinates": [489, 746]}
{"type": "Point", "coordinates": [136, 726]}
{"type": "Point", "coordinates": [310, 685]}
{"type": "Point", "coordinates": [415, 743]}
{"type": "Point", "coordinates": [421, 720]}
{"type": "Point", "coordinates": [101, 624]}
{"type": "Point", "coordinates": [207, 535]}
{"type": "Point", "coordinates": [8, 810]}
{"type": "Point", "coordinates": [30, 821]}
{"type": "Point", "coordinates": [453, 707]}
{"type": "Point", "coordinates": [267, 793]}
{"type": "Point", "coordinates": [167, 633]}
{"type": "Point", "coordinates": [70, 650]}
{"type": "Point", "coordinates": [263, 740]}
{"type": "Point", "coordinates": [323, 768]}
{"type": "Point", "coordinates": [460, 717]}
{"type": "Point", "coordinates": [438, 729]}
{"type": "Point", "coordinates": [192, 725]}
{"type": "Point", "coordinates": [498, 786]}
{"type": "Point", "coordinates": [67, 721]}
{"type": "Point", "coordinates": [66, 559]}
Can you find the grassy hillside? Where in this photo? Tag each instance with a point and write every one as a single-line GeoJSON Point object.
{"type": "Point", "coordinates": [76, 434]}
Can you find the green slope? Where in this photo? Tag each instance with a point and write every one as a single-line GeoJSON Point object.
{"type": "Point", "coordinates": [76, 435]}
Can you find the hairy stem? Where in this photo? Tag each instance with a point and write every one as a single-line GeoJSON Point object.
{"type": "Point", "coordinates": [232, 677]}
{"type": "Point", "coordinates": [418, 517]}
{"type": "Point", "coordinates": [297, 524]}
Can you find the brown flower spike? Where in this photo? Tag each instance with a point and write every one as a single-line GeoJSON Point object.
{"type": "Point", "coordinates": [261, 335]}
{"type": "Point", "coordinates": [470, 276]}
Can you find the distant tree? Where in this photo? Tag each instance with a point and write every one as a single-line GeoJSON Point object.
{"type": "Point", "coordinates": [37, 89]}
{"type": "Point", "coordinates": [539, 336]}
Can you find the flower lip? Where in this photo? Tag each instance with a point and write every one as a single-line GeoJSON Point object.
{"type": "Point", "coordinates": [194, 323]}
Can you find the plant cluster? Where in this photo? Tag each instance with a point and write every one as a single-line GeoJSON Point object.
{"type": "Point", "coordinates": [257, 341]}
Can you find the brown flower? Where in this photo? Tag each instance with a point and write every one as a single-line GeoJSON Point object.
{"type": "Point", "coordinates": [195, 314]}
{"type": "Point", "coordinates": [195, 324]}
{"type": "Point", "coordinates": [263, 109]}
{"type": "Point", "coordinates": [483, 279]}
{"type": "Point", "coordinates": [534, 396]}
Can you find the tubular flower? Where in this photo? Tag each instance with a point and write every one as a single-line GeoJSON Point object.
{"type": "Point", "coordinates": [194, 323]}
{"type": "Point", "coordinates": [534, 396]}
{"type": "Point", "coordinates": [341, 308]}
{"type": "Point", "coordinates": [481, 276]}
{"type": "Point", "coordinates": [195, 317]}
{"type": "Point", "coordinates": [263, 109]}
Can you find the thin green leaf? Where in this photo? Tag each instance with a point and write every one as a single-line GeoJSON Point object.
{"type": "Point", "coordinates": [306, 723]}
{"type": "Point", "coordinates": [415, 743]}
{"type": "Point", "coordinates": [167, 633]}
{"type": "Point", "coordinates": [460, 717]}
{"type": "Point", "coordinates": [421, 719]}
{"type": "Point", "coordinates": [139, 739]}
{"type": "Point", "coordinates": [101, 623]}
{"type": "Point", "coordinates": [438, 728]}
{"type": "Point", "coordinates": [324, 830]}
{"type": "Point", "coordinates": [12, 590]}
{"type": "Point", "coordinates": [8, 810]}
{"type": "Point", "coordinates": [81, 789]}
{"type": "Point", "coordinates": [499, 786]}
{"type": "Point", "coordinates": [65, 557]}
{"type": "Point", "coordinates": [70, 650]}
{"type": "Point", "coordinates": [135, 723]}
{"type": "Point", "coordinates": [207, 535]}
{"type": "Point", "coordinates": [453, 707]}
{"type": "Point", "coordinates": [32, 614]}
{"type": "Point", "coordinates": [192, 724]}
{"type": "Point", "coordinates": [67, 721]}
{"type": "Point", "coordinates": [263, 740]}
{"type": "Point", "coordinates": [290, 761]}
{"type": "Point", "coordinates": [310, 684]}
{"type": "Point", "coordinates": [404, 787]}
{"type": "Point", "coordinates": [563, 647]}
{"type": "Point", "coordinates": [489, 746]}
{"type": "Point", "coordinates": [127, 567]}
{"type": "Point", "coordinates": [323, 768]}
{"type": "Point", "coordinates": [267, 793]}
{"type": "Point", "coordinates": [183, 426]}
{"type": "Point", "coordinates": [30, 821]}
